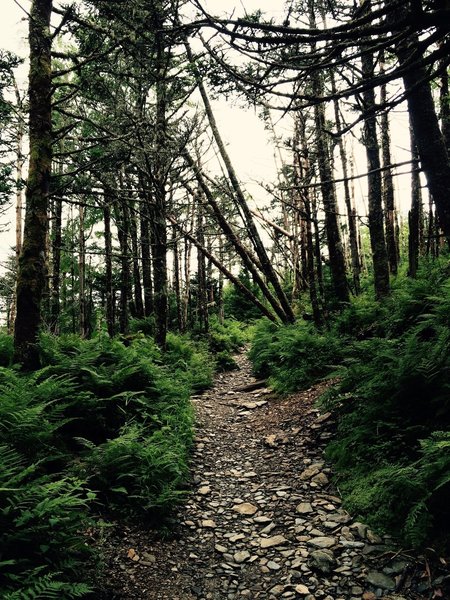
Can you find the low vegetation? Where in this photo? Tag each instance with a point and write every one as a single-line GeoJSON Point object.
{"type": "Point", "coordinates": [102, 427]}
{"type": "Point", "coordinates": [392, 361]}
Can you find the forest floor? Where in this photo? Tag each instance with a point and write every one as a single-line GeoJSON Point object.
{"type": "Point", "coordinates": [263, 520]}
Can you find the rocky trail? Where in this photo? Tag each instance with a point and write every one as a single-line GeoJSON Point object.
{"type": "Point", "coordinates": [263, 520]}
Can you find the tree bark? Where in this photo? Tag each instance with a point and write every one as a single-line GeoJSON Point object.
{"type": "Point", "coordinates": [388, 186]}
{"type": "Point", "coordinates": [415, 214]}
{"type": "Point", "coordinates": [81, 274]}
{"type": "Point", "coordinates": [430, 142]}
{"type": "Point", "coordinates": [202, 292]}
{"type": "Point", "coordinates": [137, 286]}
{"type": "Point", "coordinates": [241, 202]}
{"type": "Point", "coordinates": [159, 232]}
{"type": "Point", "coordinates": [228, 274]}
{"type": "Point", "coordinates": [31, 278]}
{"type": "Point", "coordinates": [123, 231]}
{"type": "Point", "coordinates": [335, 250]}
{"type": "Point", "coordinates": [110, 312]}
{"type": "Point", "coordinates": [376, 225]}
{"type": "Point", "coordinates": [177, 277]}
{"type": "Point", "coordinates": [351, 220]}
{"type": "Point", "coordinates": [249, 261]}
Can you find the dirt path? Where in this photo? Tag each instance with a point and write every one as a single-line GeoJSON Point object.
{"type": "Point", "coordinates": [263, 520]}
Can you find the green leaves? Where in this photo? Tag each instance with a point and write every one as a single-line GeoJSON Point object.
{"type": "Point", "coordinates": [99, 416]}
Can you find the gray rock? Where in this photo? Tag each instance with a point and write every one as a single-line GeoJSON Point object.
{"type": "Point", "coordinates": [322, 560]}
{"type": "Point", "coordinates": [322, 542]}
{"type": "Point", "coordinates": [304, 508]}
{"type": "Point", "coordinates": [380, 580]}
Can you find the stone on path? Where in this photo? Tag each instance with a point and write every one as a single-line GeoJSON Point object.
{"type": "Point", "coordinates": [304, 507]}
{"type": "Point", "coordinates": [245, 508]}
{"type": "Point", "coordinates": [323, 560]}
{"type": "Point", "coordinates": [322, 542]}
{"type": "Point", "coordinates": [240, 557]}
{"type": "Point", "coordinates": [209, 524]}
{"type": "Point", "coordinates": [276, 540]}
{"type": "Point", "coordinates": [380, 580]}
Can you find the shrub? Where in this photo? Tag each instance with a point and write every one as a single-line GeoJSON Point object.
{"type": "Point", "coordinates": [6, 350]}
{"type": "Point", "coordinates": [42, 549]}
{"type": "Point", "coordinates": [98, 414]}
{"type": "Point", "coordinates": [228, 336]}
{"type": "Point", "coordinates": [293, 356]}
{"type": "Point", "coordinates": [391, 458]}
{"type": "Point", "coordinates": [139, 472]}
{"type": "Point", "coordinates": [189, 362]}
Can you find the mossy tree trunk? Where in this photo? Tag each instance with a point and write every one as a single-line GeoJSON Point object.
{"type": "Point", "coordinates": [32, 264]}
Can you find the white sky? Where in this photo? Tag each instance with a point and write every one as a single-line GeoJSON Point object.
{"type": "Point", "coordinates": [248, 143]}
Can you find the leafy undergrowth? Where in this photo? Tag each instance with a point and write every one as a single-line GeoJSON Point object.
{"type": "Point", "coordinates": [392, 449]}
{"type": "Point", "coordinates": [100, 427]}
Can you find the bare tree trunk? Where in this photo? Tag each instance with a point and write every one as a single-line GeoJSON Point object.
{"type": "Point", "coordinates": [187, 264]}
{"type": "Point", "coordinates": [159, 232]}
{"type": "Point", "coordinates": [110, 312]}
{"type": "Point", "coordinates": [20, 159]}
{"type": "Point", "coordinates": [31, 277]}
{"type": "Point", "coordinates": [250, 262]}
{"type": "Point", "coordinates": [414, 216]}
{"type": "Point", "coordinates": [176, 276]}
{"type": "Point", "coordinates": [241, 202]}
{"type": "Point", "coordinates": [56, 259]}
{"type": "Point", "coordinates": [335, 250]}
{"type": "Point", "coordinates": [228, 274]}
{"type": "Point", "coordinates": [334, 242]}
{"type": "Point", "coordinates": [81, 274]}
{"type": "Point", "coordinates": [302, 171]}
{"type": "Point", "coordinates": [220, 285]}
{"type": "Point", "coordinates": [123, 231]}
{"type": "Point", "coordinates": [147, 279]}
{"type": "Point", "coordinates": [202, 293]}
{"type": "Point", "coordinates": [388, 187]}
{"type": "Point", "coordinates": [430, 142]}
{"type": "Point", "coordinates": [351, 220]}
{"type": "Point", "coordinates": [376, 225]}
{"type": "Point", "coordinates": [137, 286]}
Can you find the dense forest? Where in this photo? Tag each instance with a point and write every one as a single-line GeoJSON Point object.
{"type": "Point", "coordinates": [142, 263]}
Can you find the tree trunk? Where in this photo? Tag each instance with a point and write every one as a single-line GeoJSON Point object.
{"type": "Point", "coordinates": [31, 277]}
{"type": "Point", "coordinates": [220, 285]}
{"type": "Point", "coordinates": [302, 171]}
{"type": "Point", "coordinates": [159, 232]}
{"type": "Point", "coordinates": [351, 220]}
{"type": "Point", "coordinates": [388, 187]}
{"type": "Point", "coordinates": [376, 225]}
{"type": "Point", "coordinates": [110, 313]}
{"type": "Point", "coordinates": [202, 292]}
{"type": "Point", "coordinates": [177, 277]}
{"type": "Point", "coordinates": [56, 259]}
{"type": "Point", "coordinates": [241, 202]}
{"type": "Point", "coordinates": [335, 251]}
{"type": "Point", "coordinates": [228, 274]}
{"type": "Point", "coordinates": [430, 142]}
{"type": "Point", "coordinates": [147, 279]}
{"type": "Point", "coordinates": [415, 214]}
{"type": "Point", "coordinates": [249, 261]}
{"type": "Point", "coordinates": [81, 274]}
{"type": "Point", "coordinates": [137, 286]}
{"type": "Point", "coordinates": [123, 231]}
